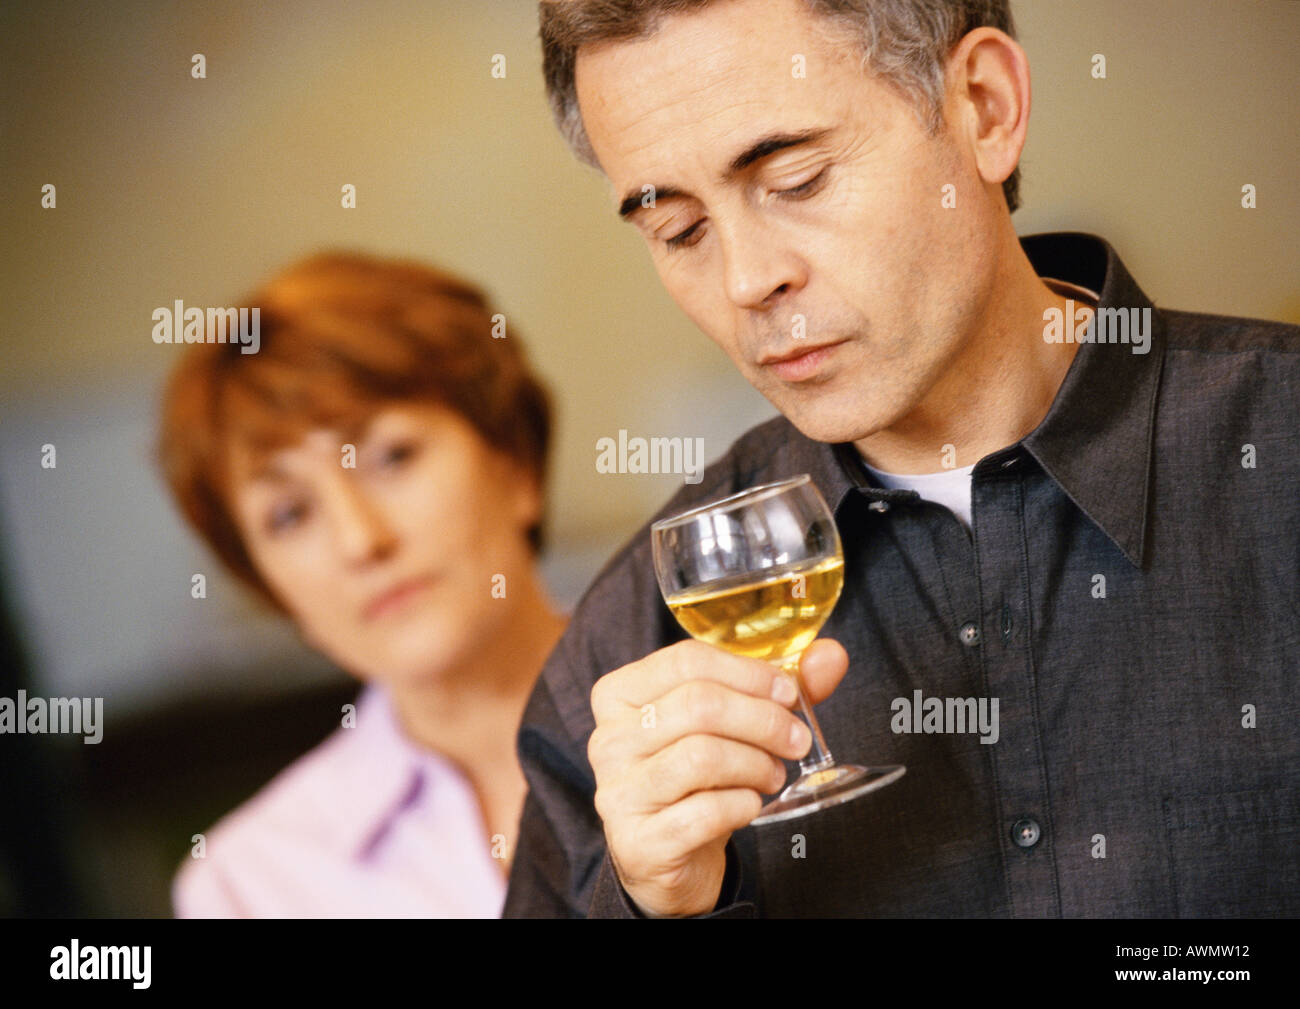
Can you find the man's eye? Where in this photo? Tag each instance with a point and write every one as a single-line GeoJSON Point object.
{"type": "Point", "coordinates": [803, 189]}
{"type": "Point", "coordinates": [686, 238]}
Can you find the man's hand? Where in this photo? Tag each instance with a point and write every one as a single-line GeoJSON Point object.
{"type": "Point", "coordinates": [686, 742]}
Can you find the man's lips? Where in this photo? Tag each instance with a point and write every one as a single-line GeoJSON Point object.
{"type": "Point", "coordinates": [799, 363]}
{"type": "Point", "coordinates": [393, 598]}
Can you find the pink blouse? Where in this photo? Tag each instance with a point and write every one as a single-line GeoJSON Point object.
{"type": "Point", "coordinates": [368, 825]}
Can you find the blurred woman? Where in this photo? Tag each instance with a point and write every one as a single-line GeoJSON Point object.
{"type": "Point", "coordinates": [375, 472]}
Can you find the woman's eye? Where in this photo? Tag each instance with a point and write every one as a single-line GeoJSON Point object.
{"type": "Point", "coordinates": [286, 516]}
{"type": "Point", "coordinates": [805, 188]}
{"type": "Point", "coordinates": [396, 453]}
{"type": "Point", "coordinates": [685, 239]}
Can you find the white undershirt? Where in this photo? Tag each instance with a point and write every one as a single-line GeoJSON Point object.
{"type": "Point", "coordinates": [951, 487]}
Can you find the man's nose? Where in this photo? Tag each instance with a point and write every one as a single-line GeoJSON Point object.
{"type": "Point", "coordinates": [759, 268]}
{"type": "Point", "coordinates": [360, 528]}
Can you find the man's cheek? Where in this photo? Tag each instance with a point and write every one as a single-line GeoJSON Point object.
{"type": "Point", "coordinates": [712, 318]}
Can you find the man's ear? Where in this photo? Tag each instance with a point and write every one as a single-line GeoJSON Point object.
{"type": "Point", "coordinates": [989, 80]}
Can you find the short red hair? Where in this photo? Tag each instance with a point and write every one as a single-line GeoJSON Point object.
{"type": "Point", "coordinates": [342, 335]}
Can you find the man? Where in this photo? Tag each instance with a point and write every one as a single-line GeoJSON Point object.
{"type": "Point", "coordinates": [1061, 507]}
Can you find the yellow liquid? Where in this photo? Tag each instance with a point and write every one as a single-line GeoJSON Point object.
{"type": "Point", "coordinates": [768, 619]}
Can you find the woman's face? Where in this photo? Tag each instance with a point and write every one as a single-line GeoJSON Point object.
{"type": "Point", "coordinates": [394, 563]}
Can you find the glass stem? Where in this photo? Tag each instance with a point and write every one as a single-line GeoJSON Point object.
{"type": "Point", "coordinates": [819, 755]}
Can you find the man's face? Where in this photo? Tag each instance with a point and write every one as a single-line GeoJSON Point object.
{"type": "Point", "coordinates": [794, 212]}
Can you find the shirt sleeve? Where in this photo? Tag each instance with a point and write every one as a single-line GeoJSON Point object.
{"type": "Point", "coordinates": [560, 836]}
{"type": "Point", "coordinates": [612, 901]}
{"type": "Point", "coordinates": [561, 867]}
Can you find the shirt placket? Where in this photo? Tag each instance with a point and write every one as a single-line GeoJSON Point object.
{"type": "Point", "coordinates": [1005, 651]}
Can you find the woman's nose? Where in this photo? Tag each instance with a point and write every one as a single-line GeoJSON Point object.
{"type": "Point", "coordinates": [360, 529]}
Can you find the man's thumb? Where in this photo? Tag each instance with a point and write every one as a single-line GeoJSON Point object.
{"type": "Point", "coordinates": [824, 664]}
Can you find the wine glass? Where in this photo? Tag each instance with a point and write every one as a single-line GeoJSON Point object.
{"type": "Point", "coordinates": [757, 574]}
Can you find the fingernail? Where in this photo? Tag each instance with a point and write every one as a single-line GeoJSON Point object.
{"type": "Point", "coordinates": [783, 689]}
{"type": "Point", "coordinates": [800, 736]}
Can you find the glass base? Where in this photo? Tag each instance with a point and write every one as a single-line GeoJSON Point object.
{"type": "Point", "coordinates": [826, 787]}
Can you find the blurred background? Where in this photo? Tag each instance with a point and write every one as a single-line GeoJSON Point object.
{"type": "Point", "coordinates": [172, 188]}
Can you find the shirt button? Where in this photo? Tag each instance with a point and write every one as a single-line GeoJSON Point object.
{"type": "Point", "coordinates": [1026, 832]}
{"type": "Point", "coordinates": [879, 506]}
{"type": "Point", "coordinates": [969, 634]}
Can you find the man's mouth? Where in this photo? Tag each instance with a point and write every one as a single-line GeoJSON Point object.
{"type": "Point", "coordinates": [798, 364]}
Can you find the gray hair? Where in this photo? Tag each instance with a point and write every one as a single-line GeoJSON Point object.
{"type": "Point", "coordinates": [905, 42]}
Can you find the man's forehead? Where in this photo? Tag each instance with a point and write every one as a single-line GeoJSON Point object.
{"type": "Point", "coordinates": [706, 84]}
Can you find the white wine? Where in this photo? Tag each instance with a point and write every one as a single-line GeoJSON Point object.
{"type": "Point", "coordinates": [709, 562]}
{"type": "Point", "coordinates": [771, 618]}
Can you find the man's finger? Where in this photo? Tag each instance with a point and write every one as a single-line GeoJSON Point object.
{"type": "Point", "coordinates": [641, 683]}
{"type": "Point", "coordinates": [697, 707]}
{"type": "Point", "coordinates": [701, 818]}
{"type": "Point", "coordinates": [702, 763]}
{"type": "Point", "coordinates": [823, 667]}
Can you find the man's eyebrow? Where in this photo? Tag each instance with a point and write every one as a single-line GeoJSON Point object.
{"type": "Point", "coordinates": [754, 152]}
{"type": "Point", "coordinates": [770, 145]}
{"type": "Point", "coordinates": [632, 202]}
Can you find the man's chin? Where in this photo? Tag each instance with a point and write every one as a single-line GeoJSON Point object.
{"type": "Point", "coordinates": [830, 426]}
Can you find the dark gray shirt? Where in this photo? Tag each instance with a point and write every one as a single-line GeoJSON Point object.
{"type": "Point", "coordinates": [1130, 594]}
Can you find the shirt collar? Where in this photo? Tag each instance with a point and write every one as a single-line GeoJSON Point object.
{"type": "Point", "coordinates": [378, 775]}
{"type": "Point", "coordinates": [1096, 439]}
